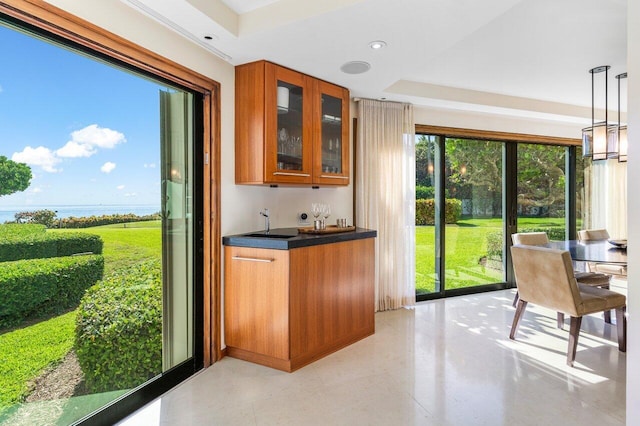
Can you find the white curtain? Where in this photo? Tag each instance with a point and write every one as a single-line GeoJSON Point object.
{"type": "Point", "coordinates": [606, 198]}
{"type": "Point", "coordinates": [385, 196]}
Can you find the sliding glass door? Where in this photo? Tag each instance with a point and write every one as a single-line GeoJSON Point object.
{"type": "Point", "coordinates": [471, 195]}
{"type": "Point", "coordinates": [473, 213]}
{"type": "Point", "coordinates": [426, 272]}
{"type": "Point", "coordinates": [541, 189]}
{"type": "Point", "coordinates": [104, 308]}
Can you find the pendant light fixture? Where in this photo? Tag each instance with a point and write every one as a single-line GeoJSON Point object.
{"type": "Point", "coordinates": [622, 130]}
{"type": "Point", "coordinates": [599, 141]}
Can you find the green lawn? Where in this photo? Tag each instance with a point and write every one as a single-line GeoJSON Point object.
{"type": "Point", "coordinates": [465, 252]}
{"type": "Point", "coordinates": [26, 352]}
{"type": "Point", "coordinates": [126, 244]}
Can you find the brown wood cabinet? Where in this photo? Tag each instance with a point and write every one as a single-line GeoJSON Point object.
{"type": "Point", "coordinates": [291, 128]}
{"type": "Point", "coordinates": [287, 308]}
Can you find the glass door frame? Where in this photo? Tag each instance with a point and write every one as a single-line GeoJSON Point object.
{"type": "Point", "coordinates": [509, 202]}
{"type": "Point", "coordinates": [58, 26]}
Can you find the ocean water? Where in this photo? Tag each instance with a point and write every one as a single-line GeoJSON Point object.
{"type": "Point", "coordinates": [7, 214]}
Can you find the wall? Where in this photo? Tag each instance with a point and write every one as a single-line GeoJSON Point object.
{"type": "Point", "coordinates": [498, 123]}
{"type": "Point", "coordinates": [633, 208]}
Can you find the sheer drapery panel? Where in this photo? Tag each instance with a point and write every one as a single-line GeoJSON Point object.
{"type": "Point", "coordinates": [385, 196]}
{"type": "Point", "coordinates": [606, 197]}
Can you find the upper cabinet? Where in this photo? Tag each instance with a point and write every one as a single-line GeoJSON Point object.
{"type": "Point", "coordinates": [290, 128]}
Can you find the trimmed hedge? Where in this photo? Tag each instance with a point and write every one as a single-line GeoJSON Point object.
{"type": "Point", "coordinates": [36, 287]}
{"type": "Point", "coordinates": [119, 329]}
{"type": "Point", "coordinates": [424, 192]}
{"type": "Point", "coordinates": [14, 230]}
{"type": "Point", "coordinates": [45, 245]}
{"type": "Point", "coordinates": [426, 211]}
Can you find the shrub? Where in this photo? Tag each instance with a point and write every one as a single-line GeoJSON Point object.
{"type": "Point", "coordinates": [555, 233]}
{"type": "Point", "coordinates": [45, 245]}
{"type": "Point", "coordinates": [86, 222]}
{"type": "Point", "coordinates": [494, 239]}
{"type": "Point", "coordinates": [426, 211]}
{"type": "Point", "coordinates": [43, 217]}
{"type": "Point", "coordinates": [118, 336]}
{"type": "Point", "coordinates": [494, 245]}
{"type": "Point", "coordinates": [36, 287]}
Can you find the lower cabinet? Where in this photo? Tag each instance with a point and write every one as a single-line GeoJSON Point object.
{"type": "Point", "coordinates": [287, 308]}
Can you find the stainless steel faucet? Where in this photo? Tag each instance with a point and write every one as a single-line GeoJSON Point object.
{"type": "Point", "coordinates": [265, 213]}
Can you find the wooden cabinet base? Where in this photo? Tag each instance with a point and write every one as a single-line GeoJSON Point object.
{"type": "Point", "coordinates": [287, 308]}
{"type": "Point", "coordinates": [294, 364]}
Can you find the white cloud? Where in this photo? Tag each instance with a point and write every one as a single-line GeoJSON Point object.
{"type": "Point", "coordinates": [108, 167]}
{"type": "Point", "coordinates": [40, 156]}
{"type": "Point", "coordinates": [130, 194]}
{"type": "Point", "coordinates": [149, 166]}
{"type": "Point", "coordinates": [75, 150]}
{"type": "Point", "coordinates": [120, 187]}
{"type": "Point", "coordinates": [36, 190]}
{"type": "Point", "coordinates": [85, 142]}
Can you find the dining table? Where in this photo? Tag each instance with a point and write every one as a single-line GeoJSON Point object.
{"type": "Point", "coordinates": [600, 251]}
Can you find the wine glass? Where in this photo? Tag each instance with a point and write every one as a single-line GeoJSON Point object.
{"type": "Point", "coordinates": [316, 209]}
{"type": "Point", "coordinates": [326, 211]}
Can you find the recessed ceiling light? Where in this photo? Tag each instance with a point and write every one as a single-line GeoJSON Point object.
{"type": "Point", "coordinates": [377, 45]}
{"type": "Point", "coordinates": [355, 67]}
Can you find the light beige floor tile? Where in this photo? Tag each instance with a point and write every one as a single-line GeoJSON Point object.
{"type": "Point", "coordinates": [445, 362]}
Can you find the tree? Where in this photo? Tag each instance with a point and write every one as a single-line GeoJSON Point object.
{"type": "Point", "coordinates": [475, 166]}
{"type": "Point", "coordinates": [425, 148]}
{"type": "Point", "coordinates": [541, 178]}
{"type": "Point", "coordinates": [14, 177]}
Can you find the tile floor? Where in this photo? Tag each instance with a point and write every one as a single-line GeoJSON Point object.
{"type": "Point", "coordinates": [446, 362]}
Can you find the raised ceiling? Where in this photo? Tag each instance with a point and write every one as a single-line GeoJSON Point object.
{"type": "Point", "coordinates": [513, 57]}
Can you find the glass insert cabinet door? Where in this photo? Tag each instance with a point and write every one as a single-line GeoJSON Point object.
{"type": "Point", "coordinates": [289, 112]}
{"type": "Point", "coordinates": [332, 132]}
{"type": "Point", "coordinates": [289, 104]}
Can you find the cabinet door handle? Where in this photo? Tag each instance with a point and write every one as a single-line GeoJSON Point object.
{"type": "Point", "coordinates": [252, 259]}
{"type": "Point", "coordinates": [291, 174]}
{"type": "Point", "coordinates": [334, 177]}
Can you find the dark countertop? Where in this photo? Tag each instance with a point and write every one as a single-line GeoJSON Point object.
{"type": "Point", "coordinates": [289, 238]}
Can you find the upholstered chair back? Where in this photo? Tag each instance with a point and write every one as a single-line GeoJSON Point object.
{"type": "Point", "coordinates": [593, 234]}
{"type": "Point", "coordinates": [545, 277]}
{"type": "Point", "coordinates": [530, 238]}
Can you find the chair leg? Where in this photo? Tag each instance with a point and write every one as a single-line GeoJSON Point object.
{"type": "Point", "coordinates": [621, 325]}
{"type": "Point", "coordinates": [522, 305]}
{"type": "Point", "coordinates": [607, 314]}
{"type": "Point", "coordinates": [560, 319]}
{"type": "Point", "coordinates": [574, 332]}
{"type": "Point", "coordinates": [515, 299]}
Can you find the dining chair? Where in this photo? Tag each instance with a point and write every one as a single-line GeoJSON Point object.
{"type": "Point", "coordinates": [587, 278]}
{"type": "Point", "coordinates": [545, 277]}
{"type": "Point", "coordinates": [606, 268]}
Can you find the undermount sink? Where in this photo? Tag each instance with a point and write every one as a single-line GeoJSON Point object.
{"type": "Point", "coordinates": [265, 235]}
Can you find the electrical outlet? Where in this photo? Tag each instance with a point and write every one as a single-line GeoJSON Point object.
{"type": "Point", "coordinates": [303, 219]}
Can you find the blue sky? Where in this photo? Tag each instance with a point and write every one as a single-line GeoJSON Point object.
{"type": "Point", "coordinates": [65, 115]}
